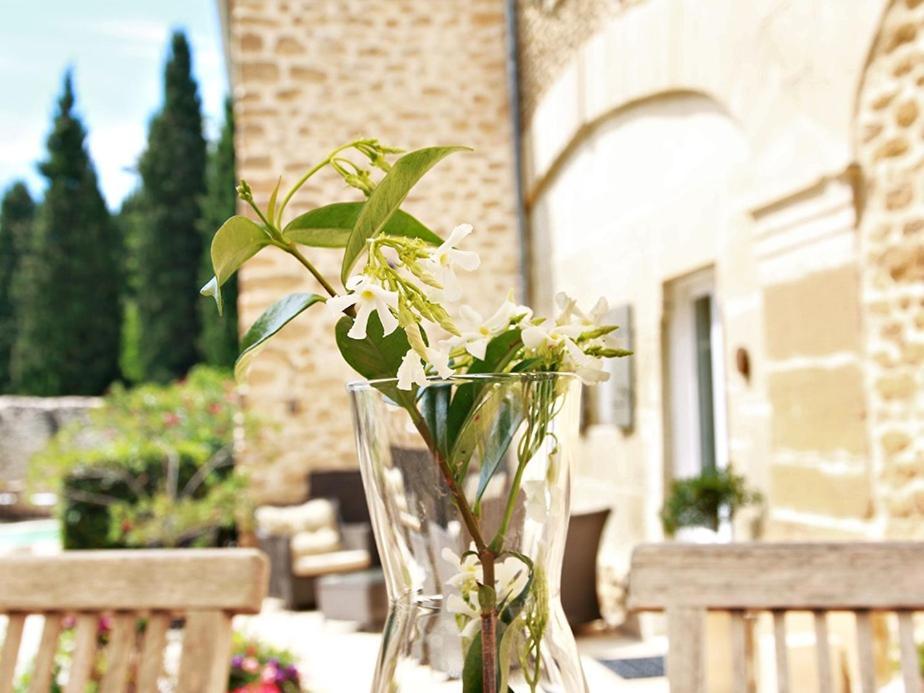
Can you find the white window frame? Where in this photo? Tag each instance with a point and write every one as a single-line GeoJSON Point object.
{"type": "Point", "coordinates": [684, 431]}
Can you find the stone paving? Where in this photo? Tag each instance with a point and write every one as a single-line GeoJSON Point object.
{"type": "Point", "coordinates": [335, 658]}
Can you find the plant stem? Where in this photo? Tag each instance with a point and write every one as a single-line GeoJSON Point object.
{"type": "Point", "coordinates": [485, 554]}
{"type": "Point", "coordinates": [296, 253]}
{"type": "Point", "coordinates": [488, 630]}
{"type": "Point", "coordinates": [498, 541]}
{"type": "Point", "coordinates": [471, 523]}
{"type": "Point", "coordinates": [314, 169]}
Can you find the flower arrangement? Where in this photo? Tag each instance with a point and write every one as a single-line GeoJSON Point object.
{"type": "Point", "coordinates": [403, 321]}
{"type": "Point", "coordinates": [259, 668]}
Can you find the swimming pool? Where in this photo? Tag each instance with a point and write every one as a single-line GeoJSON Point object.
{"type": "Point", "coordinates": [38, 535]}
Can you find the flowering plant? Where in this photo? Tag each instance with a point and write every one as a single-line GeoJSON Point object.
{"type": "Point", "coordinates": [259, 668]}
{"type": "Point", "coordinates": [402, 320]}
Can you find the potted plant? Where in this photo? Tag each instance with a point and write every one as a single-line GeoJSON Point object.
{"type": "Point", "coordinates": [703, 502]}
{"type": "Point", "coordinates": [465, 423]}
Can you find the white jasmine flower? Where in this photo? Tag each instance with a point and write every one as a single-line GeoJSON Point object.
{"type": "Point", "coordinates": [411, 371]}
{"type": "Point", "coordinates": [588, 368]}
{"type": "Point", "coordinates": [599, 311]}
{"type": "Point", "coordinates": [467, 570]}
{"type": "Point", "coordinates": [439, 359]}
{"type": "Point", "coordinates": [476, 332]}
{"type": "Point", "coordinates": [546, 336]}
{"type": "Point", "coordinates": [471, 613]}
{"type": "Point", "coordinates": [510, 578]}
{"type": "Point", "coordinates": [444, 261]}
{"type": "Point", "coordinates": [571, 313]}
{"type": "Point", "coordinates": [367, 296]}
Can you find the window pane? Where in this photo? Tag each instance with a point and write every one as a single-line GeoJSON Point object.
{"type": "Point", "coordinates": [702, 312]}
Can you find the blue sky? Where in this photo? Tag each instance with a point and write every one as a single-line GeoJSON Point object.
{"type": "Point", "coordinates": [117, 49]}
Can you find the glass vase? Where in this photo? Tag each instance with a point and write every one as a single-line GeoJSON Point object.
{"type": "Point", "coordinates": [468, 484]}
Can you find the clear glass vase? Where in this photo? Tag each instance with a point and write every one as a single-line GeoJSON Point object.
{"type": "Point", "coordinates": [469, 479]}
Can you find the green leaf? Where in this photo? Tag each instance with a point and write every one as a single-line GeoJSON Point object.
{"type": "Point", "coordinates": [376, 357]}
{"type": "Point", "coordinates": [273, 319]}
{"type": "Point", "coordinates": [212, 289]}
{"type": "Point", "coordinates": [434, 405]}
{"type": "Point", "coordinates": [387, 198]}
{"type": "Point", "coordinates": [330, 226]}
{"type": "Point", "coordinates": [472, 670]}
{"type": "Point", "coordinates": [271, 207]}
{"type": "Point", "coordinates": [503, 428]}
{"type": "Point", "coordinates": [497, 356]}
{"type": "Point", "coordinates": [238, 240]}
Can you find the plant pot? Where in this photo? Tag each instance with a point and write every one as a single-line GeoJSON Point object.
{"type": "Point", "coordinates": [467, 477]}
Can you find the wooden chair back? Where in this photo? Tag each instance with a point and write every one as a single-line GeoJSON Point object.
{"type": "Point", "coordinates": [686, 581]}
{"type": "Point", "coordinates": [141, 593]}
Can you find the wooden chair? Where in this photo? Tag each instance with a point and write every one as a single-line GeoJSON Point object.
{"type": "Point", "coordinates": [687, 580]}
{"type": "Point", "coordinates": [205, 587]}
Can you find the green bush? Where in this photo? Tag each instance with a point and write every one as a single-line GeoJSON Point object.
{"type": "Point", "coordinates": [698, 501]}
{"type": "Point", "coordinates": [152, 468]}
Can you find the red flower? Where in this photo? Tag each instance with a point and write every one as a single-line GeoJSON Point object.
{"type": "Point", "coordinates": [171, 419]}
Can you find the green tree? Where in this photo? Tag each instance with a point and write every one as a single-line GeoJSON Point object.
{"type": "Point", "coordinates": [129, 220]}
{"type": "Point", "coordinates": [169, 244]}
{"type": "Point", "coordinates": [17, 212]}
{"type": "Point", "coordinates": [67, 283]}
{"type": "Point", "coordinates": [218, 341]}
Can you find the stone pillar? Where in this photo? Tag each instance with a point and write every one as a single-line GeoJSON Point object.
{"type": "Point", "coordinates": [309, 75]}
{"type": "Point", "coordinates": [889, 150]}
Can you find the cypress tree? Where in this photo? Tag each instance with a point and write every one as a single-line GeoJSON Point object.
{"type": "Point", "coordinates": [16, 215]}
{"type": "Point", "coordinates": [129, 219]}
{"type": "Point", "coordinates": [169, 244]}
{"type": "Point", "coordinates": [218, 342]}
{"type": "Point", "coordinates": [67, 283]}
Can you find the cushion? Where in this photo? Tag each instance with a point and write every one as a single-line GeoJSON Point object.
{"type": "Point", "coordinates": [316, 514]}
{"type": "Point", "coordinates": [308, 543]}
{"type": "Point", "coordinates": [326, 563]}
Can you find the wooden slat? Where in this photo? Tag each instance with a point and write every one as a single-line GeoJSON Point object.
{"type": "Point", "coordinates": [229, 579]}
{"type": "Point", "coordinates": [740, 652]}
{"type": "Point", "coordinates": [685, 669]}
{"type": "Point", "coordinates": [206, 653]}
{"type": "Point", "coordinates": [781, 650]}
{"type": "Point", "coordinates": [10, 650]}
{"type": "Point", "coordinates": [865, 655]}
{"type": "Point", "coordinates": [823, 653]}
{"type": "Point", "coordinates": [45, 658]}
{"type": "Point", "coordinates": [119, 653]}
{"type": "Point", "coordinates": [771, 576]}
{"type": "Point", "coordinates": [85, 635]}
{"type": "Point", "coordinates": [152, 652]}
{"type": "Point", "coordinates": [911, 672]}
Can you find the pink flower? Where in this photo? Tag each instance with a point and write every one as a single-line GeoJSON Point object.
{"type": "Point", "coordinates": [250, 665]}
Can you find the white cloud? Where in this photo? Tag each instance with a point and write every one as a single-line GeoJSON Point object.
{"type": "Point", "coordinates": [133, 30]}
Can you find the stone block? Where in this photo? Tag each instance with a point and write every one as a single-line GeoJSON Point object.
{"type": "Point", "coordinates": [893, 442]}
{"type": "Point", "coordinates": [816, 315]}
{"type": "Point", "coordinates": [819, 409]}
{"type": "Point", "coordinates": [846, 494]}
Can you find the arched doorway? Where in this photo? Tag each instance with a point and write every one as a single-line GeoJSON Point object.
{"type": "Point", "coordinates": [640, 211]}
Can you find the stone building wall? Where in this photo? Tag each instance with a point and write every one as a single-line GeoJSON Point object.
{"type": "Point", "coordinates": [309, 75]}
{"type": "Point", "coordinates": [787, 263]}
{"type": "Point", "coordinates": [890, 117]}
{"type": "Point", "coordinates": [27, 424]}
{"type": "Point", "coordinates": [550, 33]}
